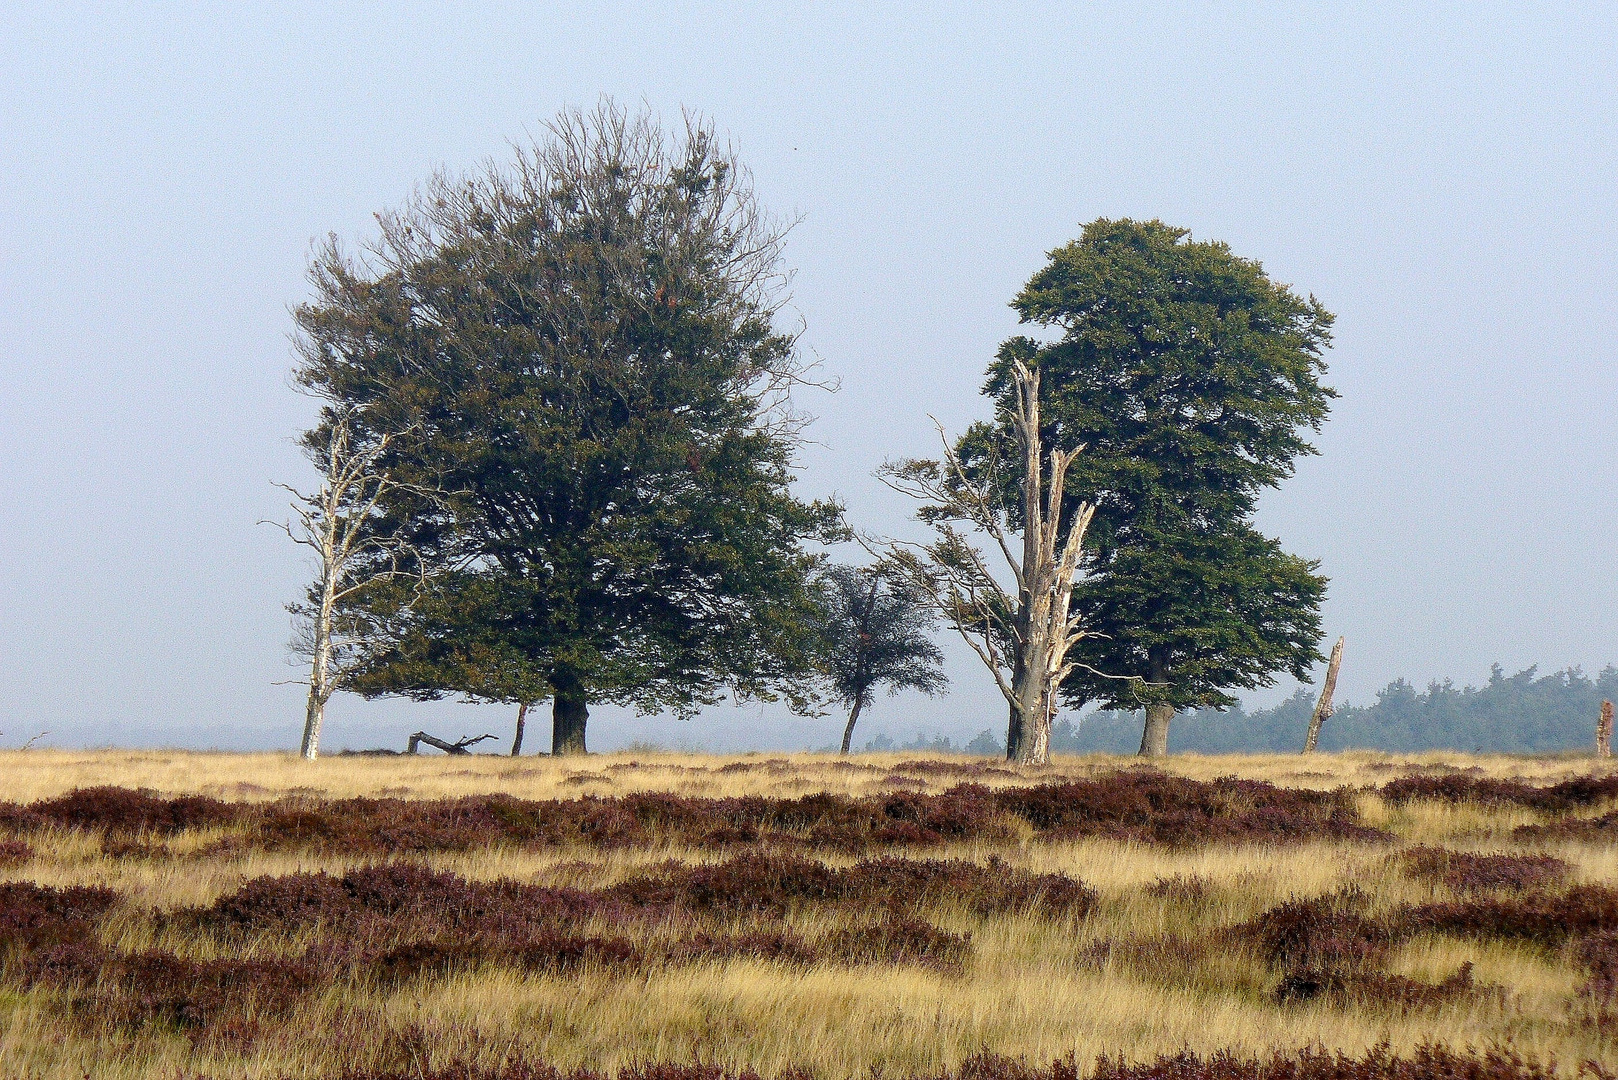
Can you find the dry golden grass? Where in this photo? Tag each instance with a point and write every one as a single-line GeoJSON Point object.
{"type": "Point", "coordinates": [1028, 991]}
{"type": "Point", "coordinates": [38, 774]}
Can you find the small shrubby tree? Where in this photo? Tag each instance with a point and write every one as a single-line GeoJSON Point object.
{"type": "Point", "coordinates": [875, 631]}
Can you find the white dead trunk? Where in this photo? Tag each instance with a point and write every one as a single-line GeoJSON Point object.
{"type": "Point", "coordinates": [1022, 634]}
{"type": "Point", "coordinates": [336, 524]}
{"type": "Point", "coordinates": [1323, 708]}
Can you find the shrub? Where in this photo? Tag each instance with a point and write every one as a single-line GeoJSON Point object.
{"type": "Point", "coordinates": [1466, 872]}
{"type": "Point", "coordinates": [1598, 954]}
{"type": "Point", "coordinates": [763, 883]}
{"type": "Point", "coordinates": [14, 853]}
{"type": "Point", "coordinates": [1378, 989]}
{"type": "Point", "coordinates": [395, 897]}
{"type": "Point", "coordinates": [159, 988]}
{"type": "Point", "coordinates": [124, 810]}
{"type": "Point", "coordinates": [20, 819]}
{"type": "Point", "coordinates": [1541, 918]}
{"type": "Point", "coordinates": [1133, 806]}
{"type": "Point", "coordinates": [1454, 788]}
{"type": "Point", "coordinates": [1325, 933]}
{"type": "Point", "coordinates": [1599, 829]}
{"type": "Point", "coordinates": [38, 916]}
{"type": "Point", "coordinates": [1148, 806]}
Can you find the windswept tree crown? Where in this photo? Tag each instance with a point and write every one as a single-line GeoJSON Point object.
{"type": "Point", "coordinates": [1193, 382]}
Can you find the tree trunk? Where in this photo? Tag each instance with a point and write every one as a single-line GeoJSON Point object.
{"type": "Point", "coordinates": [1154, 739]}
{"type": "Point", "coordinates": [314, 716]}
{"type": "Point", "coordinates": [1037, 737]}
{"type": "Point", "coordinates": [569, 711]}
{"type": "Point", "coordinates": [1323, 708]}
{"type": "Point", "coordinates": [1031, 722]}
{"type": "Point", "coordinates": [522, 721]}
{"type": "Point", "coordinates": [853, 715]}
{"type": "Point", "coordinates": [1014, 724]}
{"type": "Point", "coordinates": [1604, 731]}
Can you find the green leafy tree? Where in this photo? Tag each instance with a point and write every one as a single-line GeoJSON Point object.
{"type": "Point", "coordinates": [875, 630]}
{"type": "Point", "coordinates": [1193, 612]}
{"type": "Point", "coordinates": [1192, 381]}
{"type": "Point", "coordinates": [585, 347]}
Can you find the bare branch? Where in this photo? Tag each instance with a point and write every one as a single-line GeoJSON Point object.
{"type": "Point", "coordinates": [1023, 639]}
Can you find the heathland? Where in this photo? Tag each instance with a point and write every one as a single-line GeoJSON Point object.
{"type": "Point", "coordinates": [170, 914]}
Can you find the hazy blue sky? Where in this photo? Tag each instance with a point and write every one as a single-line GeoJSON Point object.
{"type": "Point", "coordinates": [1444, 179]}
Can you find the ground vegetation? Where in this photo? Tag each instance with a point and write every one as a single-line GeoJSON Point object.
{"type": "Point", "coordinates": [808, 916]}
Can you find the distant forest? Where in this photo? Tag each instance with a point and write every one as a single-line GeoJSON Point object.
{"type": "Point", "coordinates": [1521, 713]}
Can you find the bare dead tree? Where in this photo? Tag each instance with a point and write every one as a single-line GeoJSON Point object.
{"type": "Point", "coordinates": [457, 747]}
{"type": "Point", "coordinates": [522, 723]}
{"type": "Point", "coordinates": [338, 523]}
{"type": "Point", "coordinates": [1023, 631]}
{"type": "Point", "coordinates": [1604, 731]}
{"type": "Point", "coordinates": [1323, 707]}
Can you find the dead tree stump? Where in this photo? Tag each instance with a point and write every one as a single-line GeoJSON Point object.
{"type": "Point", "coordinates": [1323, 708]}
{"type": "Point", "coordinates": [1604, 731]}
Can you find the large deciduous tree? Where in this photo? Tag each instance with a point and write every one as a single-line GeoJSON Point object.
{"type": "Point", "coordinates": [587, 342]}
{"type": "Point", "coordinates": [875, 629]}
{"type": "Point", "coordinates": [1193, 381]}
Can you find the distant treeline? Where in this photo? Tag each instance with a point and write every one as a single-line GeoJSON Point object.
{"type": "Point", "coordinates": [1520, 713]}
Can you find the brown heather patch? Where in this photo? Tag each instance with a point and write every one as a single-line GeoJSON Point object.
{"type": "Point", "coordinates": [14, 853]}
{"type": "Point", "coordinates": [121, 810]}
{"type": "Point", "coordinates": [1598, 830]}
{"type": "Point", "coordinates": [410, 897]}
{"type": "Point", "coordinates": [1467, 872]}
{"type": "Point", "coordinates": [35, 916]}
{"type": "Point", "coordinates": [1456, 787]}
{"type": "Point", "coordinates": [1325, 932]}
{"type": "Point", "coordinates": [1140, 805]}
{"type": "Point", "coordinates": [1546, 919]}
{"type": "Point", "coordinates": [1379, 990]}
{"type": "Point", "coordinates": [1427, 1063]}
{"type": "Point", "coordinates": [751, 884]}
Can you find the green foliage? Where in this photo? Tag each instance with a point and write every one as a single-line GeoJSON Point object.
{"type": "Point", "coordinates": [1196, 610]}
{"type": "Point", "coordinates": [1521, 713]}
{"type": "Point", "coordinates": [1191, 380]}
{"type": "Point", "coordinates": [875, 631]}
{"type": "Point", "coordinates": [584, 345]}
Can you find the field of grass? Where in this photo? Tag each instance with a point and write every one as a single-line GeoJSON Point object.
{"type": "Point", "coordinates": [168, 914]}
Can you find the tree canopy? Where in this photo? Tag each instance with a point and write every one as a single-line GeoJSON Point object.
{"type": "Point", "coordinates": [585, 346]}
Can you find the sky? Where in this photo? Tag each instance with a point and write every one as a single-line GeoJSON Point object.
{"type": "Point", "coordinates": [1443, 177]}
